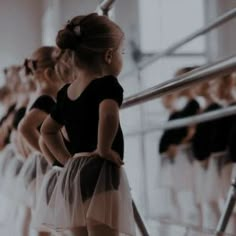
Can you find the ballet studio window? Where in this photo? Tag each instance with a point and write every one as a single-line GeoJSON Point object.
{"type": "Point", "coordinates": [164, 23]}
{"type": "Point", "coordinates": [50, 21]}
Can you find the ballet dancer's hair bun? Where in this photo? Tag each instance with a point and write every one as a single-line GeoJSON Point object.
{"type": "Point", "coordinates": [71, 36]}
{"type": "Point", "coordinates": [67, 39]}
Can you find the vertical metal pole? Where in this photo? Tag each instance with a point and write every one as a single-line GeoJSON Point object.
{"type": "Point", "coordinates": [142, 145]}
{"type": "Point", "coordinates": [106, 6]}
{"type": "Point", "coordinates": [228, 209]}
{"type": "Point", "coordinates": [139, 221]}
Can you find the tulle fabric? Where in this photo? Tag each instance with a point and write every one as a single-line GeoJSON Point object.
{"type": "Point", "coordinates": [9, 170]}
{"type": "Point", "coordinates": [213, 178]}
{"type": "Point", "coordinates": [44, 210]}
{"type": "Point", "coordinates": [233, 177]}
{"type": "Point", "coordinates": [6, 157]}
{"type": "Point", "coordinates": [10, 178]}
{"type": "Point", "coordinates": [226, 179]}
{"type": "Point", "coordinates": [30, 178]}
{"type": "Point", "coordinates": [166, 178]}
{"type": "Point", "coordinates": [88, 192]}
{"type": "Point", "coordinates": [183, 169]}
{"type": "Point", "coordinates": [199, 183]}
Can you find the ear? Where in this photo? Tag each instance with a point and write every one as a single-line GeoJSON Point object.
{"type": "Point", "coordinates": [108, 55]}
{"type": "Point", "coordinates": [48, 73]}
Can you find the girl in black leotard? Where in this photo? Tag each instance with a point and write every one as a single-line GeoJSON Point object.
{"type": "Point", "coordinates": [42, 67]}
{"type": "Point", "coordinates": [226, 143]}
{"type": "Point", "coordinates": [205, 171]}
{"type": "Point", "coordinates": [16, 146]}
{"type": "Point", "coordinates": [92, 194]}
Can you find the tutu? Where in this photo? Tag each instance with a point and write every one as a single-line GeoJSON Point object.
{"type": "Point", "coordinates": [30, 178]}
{"type": "Point", "coordinates": [226, 179]}
{"type": "Point", "coordinates": [213, 179]}
{"type": "Point", "coordinates": [166, 172]}
{"type": "Point", "coordinates": [44, 198]}
{"type": "Point", "coordinates": [199, 185]}
{"type": "Point", "coordinates": [87, 192]}
{"type": "Point", "coordinates": [10, 178]}
{"type": "Point", "coordinates": [183, 169]}
{"type": "Point", "coordinates": [7, 155]}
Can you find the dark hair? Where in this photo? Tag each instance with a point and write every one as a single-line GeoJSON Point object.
{"type": "Point", "coordinates": [88, 37]}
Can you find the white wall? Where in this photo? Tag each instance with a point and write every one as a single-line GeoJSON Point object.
{"type": "Point", "coordinates": [71, 8]}
{"type": "Point", "coordinates": [20, 30]}
{"type": "Point", "coordinates": [221, 41]}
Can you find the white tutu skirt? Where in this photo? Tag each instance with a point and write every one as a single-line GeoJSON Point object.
{"type": "Point", "coordinates": [6, 156]}
{"type": "Point", "coordinates": [30, 179]}
{"type": "Point", "coordinates": [10, 178]}
{"type": "Point", "coordinates": [166, 179]}
{"type": "Point", "coordinates": [226, 179]}
{"type": "Point", "coordinates": [213, 178]}
{"type": "Point", "coordinates": [183, 169]}
{"type": "Point", "coordinates": [233, 177]}
{"type": "Point", "coordinates": [200, 175]}
{"type": "Point", "coordinates": [88, 192]}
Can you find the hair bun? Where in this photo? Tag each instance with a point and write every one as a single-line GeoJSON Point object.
{"type": "Point", "coordinates": [67, 39]}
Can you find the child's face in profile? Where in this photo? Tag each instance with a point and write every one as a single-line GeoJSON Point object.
{"type": "Point", "coordinates": [117, 60]}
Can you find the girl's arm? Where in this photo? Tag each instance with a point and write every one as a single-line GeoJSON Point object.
{"type": "Point", "coordinates": [107, 129]}
{"type": "Point", "coordinates": [47, 154]}
{"type": "Point", "coordinates": [29, 126]}
{"type": "Point", "coordinates": [22, 145]}
{"type": "Point", "coordinates": [52, 138]}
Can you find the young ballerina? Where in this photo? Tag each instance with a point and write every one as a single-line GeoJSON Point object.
{"type": "Point", "coordinates": [92, 195]}
{"type": "Point", "coordinates": [42, 67]}
{"type": "Point", "coordinates": [207, 177]}
{"type": "Point", "coordinates": [226, 143]}
{"type": "Point", "coordinates": [173, 148]}
{"type": "Point", "coordinates": [17, 149]}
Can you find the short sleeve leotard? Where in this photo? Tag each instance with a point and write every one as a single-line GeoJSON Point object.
{"type": "Point", "coordinates": [44, 103]}
{"type": "Point", "coordinates": [81, 116]}
{"type": "Point", "coordinates": [205, 134]}
{"type": "Point", "coordinates": [175, 136]}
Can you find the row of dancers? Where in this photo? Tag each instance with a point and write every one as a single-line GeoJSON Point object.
{"type": "Point", "coordinates": [199, 160]}
{"type": "Point", "coordinates": [62, 146]}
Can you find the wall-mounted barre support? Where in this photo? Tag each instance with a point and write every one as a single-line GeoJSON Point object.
{"type": "Point", "coordinates": [106, 6]}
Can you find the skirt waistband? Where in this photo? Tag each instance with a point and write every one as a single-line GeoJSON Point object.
{"type": "Point", "coordinates": [218, 154]}
{"type": "Point", "coordinates": [82, 154]}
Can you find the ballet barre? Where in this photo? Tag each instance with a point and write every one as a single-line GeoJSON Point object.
{"type": "Point", "coordinates": [183, 122]}
{"type": "Point", "coordinates": [203, 73]}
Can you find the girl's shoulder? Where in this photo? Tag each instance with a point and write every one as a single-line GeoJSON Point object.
{"type": "Point", "coordinates": [62, 92]}
{"type": "Point", "coordinates": [108, 87]}
{"type": "Point", "coordinates": [109, 81]}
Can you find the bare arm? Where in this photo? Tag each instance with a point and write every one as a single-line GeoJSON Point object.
{"type": "Point", "coordinates": [22, 146]}
{"type": "Point", "coordinates": [107, 129]}
{"type": "Point", "coordinates": [52, 138]}
{"type": "Point", "coordinates": [29, 125]}
{"type": "Point", "coordinates": [46, 153]}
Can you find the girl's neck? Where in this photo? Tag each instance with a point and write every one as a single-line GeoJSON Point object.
{"type": "Point", "coordinates": [45, 89]}
{"type": "Point", "coordinates": [85, 76]}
